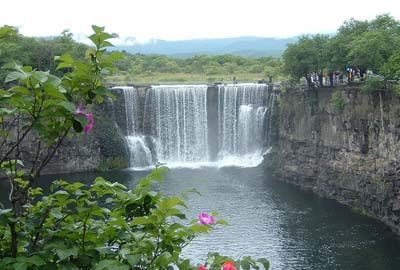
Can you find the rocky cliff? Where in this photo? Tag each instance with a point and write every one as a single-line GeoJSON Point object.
{"type": "Point", "coordinates": [345, 147]}
{"type": "Point", "coordinates": [101, 149]}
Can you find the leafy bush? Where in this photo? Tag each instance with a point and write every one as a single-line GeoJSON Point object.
{"type": "Point", "coordinates": [372, 84]}
{"type": "Point", "coordinates": [395, 89]}
{"type": "Point", "coordinates": [105, 226]}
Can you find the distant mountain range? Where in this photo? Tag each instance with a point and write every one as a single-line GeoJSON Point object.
{"type": "Point", "coordinates": [243, 46]}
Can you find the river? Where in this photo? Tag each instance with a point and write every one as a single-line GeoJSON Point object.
{"type": "Point", "coordinates": [292, 228]}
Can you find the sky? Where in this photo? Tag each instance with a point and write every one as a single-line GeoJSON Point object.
{"type": "Point", "coordinates": [189, 19]}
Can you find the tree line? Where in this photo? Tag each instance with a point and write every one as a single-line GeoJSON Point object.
{"type": "Point", "coordinates": [137, 64]}
{"type": "Point", "coordinates": [39, 52]}
{"type": "Point", "coordinates": [358, 45]}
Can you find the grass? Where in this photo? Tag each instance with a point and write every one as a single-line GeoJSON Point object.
{"type": "Point", "coordinates": [124, 78]}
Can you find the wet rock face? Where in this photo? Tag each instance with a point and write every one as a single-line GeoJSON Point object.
{"type": "Point", "coordinates": [351, 155]}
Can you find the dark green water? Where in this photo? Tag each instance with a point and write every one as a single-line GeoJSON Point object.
{"type": "Point", "coordinates": [292, 228]}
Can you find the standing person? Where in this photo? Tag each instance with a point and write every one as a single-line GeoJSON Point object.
{"type": "Point", "coordinates": [349, 75]}
{"type": "Point", "coordinates": [330, 76]}
{"type": "Point", "coordinates": [321, 79]}
{"type": "Point", "coordinates": [315, 79]}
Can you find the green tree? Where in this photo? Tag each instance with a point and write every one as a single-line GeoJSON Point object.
{"type": "Point", "coordinates": [372, 48]}
{"type": "Point", "coordinates": [44, 108]}
{"type": "Point", "coordinates": [308, 55]}
{"type": "Point", "coordinates": [391, 69]}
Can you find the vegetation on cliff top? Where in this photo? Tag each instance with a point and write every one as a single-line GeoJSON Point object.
{"type": "Point", "coordinates": [363, 45]}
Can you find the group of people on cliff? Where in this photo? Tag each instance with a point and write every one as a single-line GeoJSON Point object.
{"type": "Point", "coordinates": [332, 78]}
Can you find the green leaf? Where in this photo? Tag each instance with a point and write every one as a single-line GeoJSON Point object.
{"type": "Point", "coordinates": [105, 250]}
{"type": "Point", "coordinates": [53, 91]}
{"type": "Point", "coordinates": [66, 61]}
{"type": "Point", "coordinates": [15, 75]}
{"type": "Point", "coordinates": [199, 228]}
{"type": "Point", "coordinates": [245, 264]}
{"type": "Point", "coordinates": [40, 76]}
{"type": "Point", "coordinates": [133, 259]}
{"type": "Point", "coordinates": [101, 91]}
{"type": "Point", "coordinates": [170, 202]}
{"type": "Point", "coordinates": [56, 212]}
{"type": "Point", "coordinates": [141, 221]}
{"type": "Point", "coordinates": [34, 260]}
{"type": "Point", "coordinates": [21, 90]}
{"type": "Point", "coordinates": [111, 265]}
{"type": "Point", "coordinates": [20, 266]}
{"type": "Point", "coordinates": [264, 262]}
{"type": "Point", "coordinates": [163, 260]}
{"type": "Point", "coordinates": [5, 215]}
{"type": "Point", "coordinates": [66, 253]}
{"type": "Point", "coordinates": [69, 106]}
{"type": "Point", "coordinates": [81, 119]}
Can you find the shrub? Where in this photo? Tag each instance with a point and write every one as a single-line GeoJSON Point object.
{"type": "Point", "coordinates": [372, 84]}
{"type": "Point", "coordinates": [106, 226]}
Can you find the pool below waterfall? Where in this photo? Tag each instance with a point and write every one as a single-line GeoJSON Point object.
{"type": "Point", "coordinates": [294, 229]}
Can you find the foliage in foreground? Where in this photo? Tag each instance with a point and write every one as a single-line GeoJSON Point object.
{"type": "Point", "coordinates": [101, 226]}
{"type": "Point", "coordinates": [106, 226]}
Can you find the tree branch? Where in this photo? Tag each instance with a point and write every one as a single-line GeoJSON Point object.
{"type": "Point", "coordinates": [50, 154]}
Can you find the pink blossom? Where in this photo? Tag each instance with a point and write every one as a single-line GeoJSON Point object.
{"type": "Point", "coordinates": [228, 266]}
{"type": "Point", "coordinates": [89, 125]}
{"type": "Point", "coordinates": [202, 267]}
{"type": "Point", "coordinates": [206, 219]}
{"type": "Point", "coordinates": [80, 110]}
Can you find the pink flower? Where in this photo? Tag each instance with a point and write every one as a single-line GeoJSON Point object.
{"type": "Point", "coordinates": [202, 267]}
{"type": "Point", "coordinates": [80, 110]}
{"type": "Point", "coordinates": [89, 125]}
{"type": "Point", "coordinates": [228, 266]}
{"type": "Point", "coordinates": [206, 219]}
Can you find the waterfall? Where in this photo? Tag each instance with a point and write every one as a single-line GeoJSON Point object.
{"type": "Point", "coordinates": [242, 110]}
{"type": "Point", "coordinates": [175, 127]}
{"type": "Point", "coordinates": [139, 153]}
{"type": "Point", "coordinates": [176, 117]}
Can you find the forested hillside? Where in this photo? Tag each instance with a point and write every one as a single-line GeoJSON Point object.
{"type": "Point", "coordinates": [139, 68]}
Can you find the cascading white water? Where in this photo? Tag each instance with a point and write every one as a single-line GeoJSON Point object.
{"type": "Point", "coordinates": [176, 117]}
{"type": "Point", "coordinates": [139, 153]}
{"type": "Point", "coordinates": [250, 129]}
{"type": "Point", "coordinates": [175, 122]}
{"type": "Point", "coordinates": [241, 115]}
